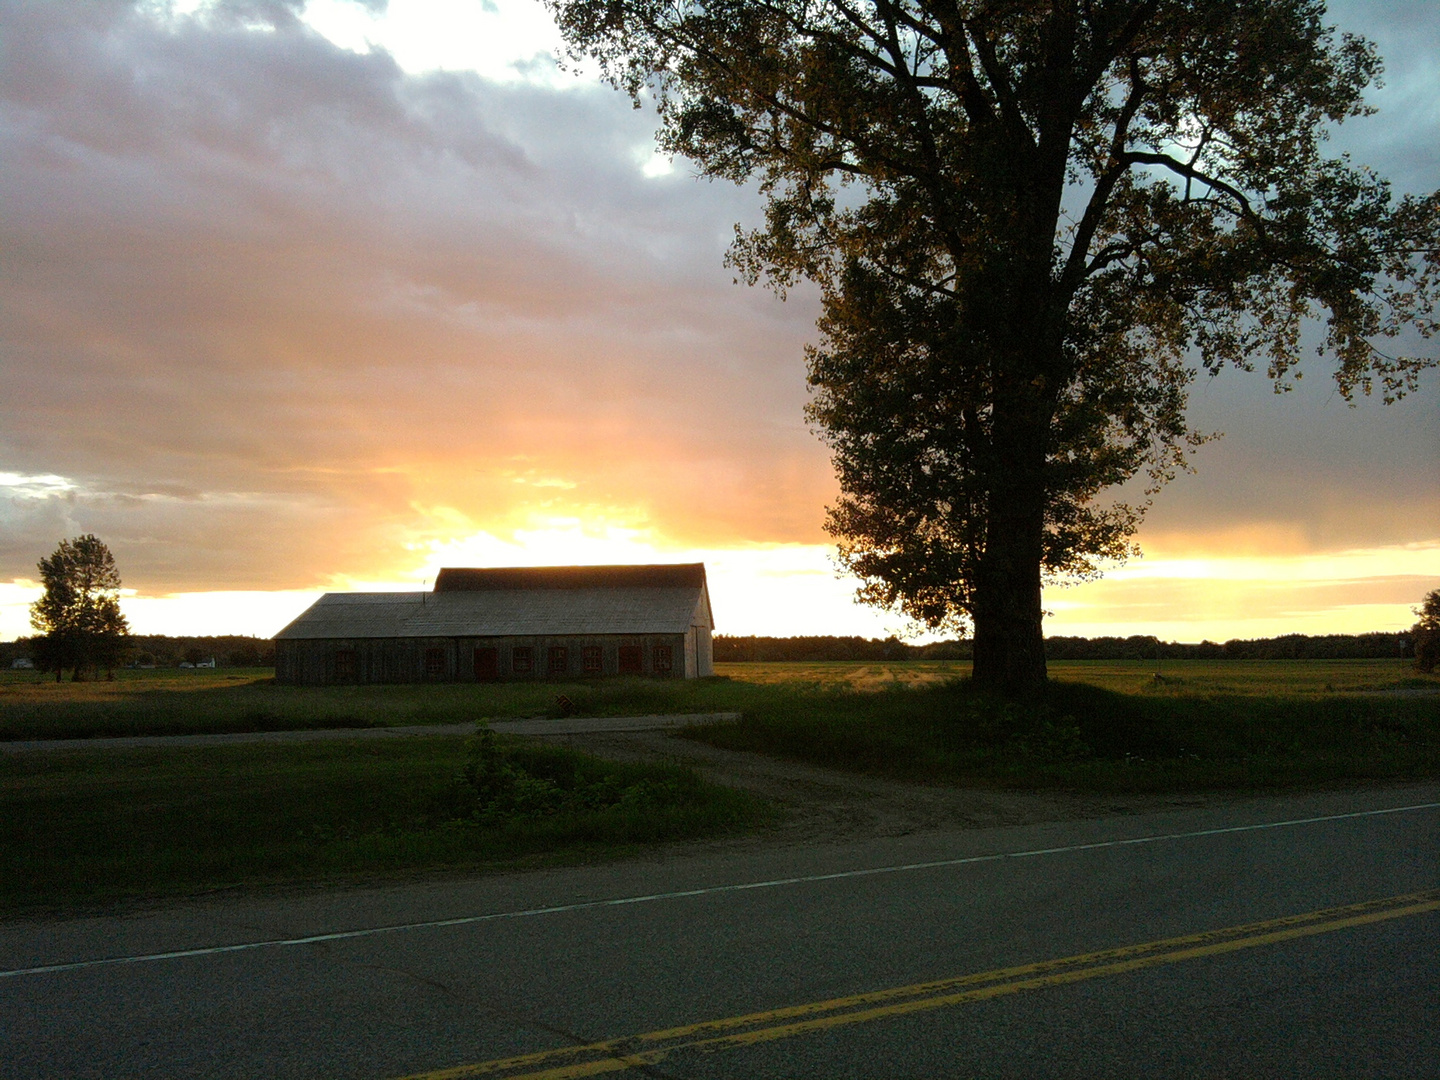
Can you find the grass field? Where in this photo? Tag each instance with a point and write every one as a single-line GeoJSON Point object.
{"type": "Point", "coordinates": [183, 701]}
{"type": "Point", "coordinates": [176, 702]}
{"type": "Point", "coordinates": [1106, 726]}
{"type": "Point", "coordinates": [79, 826]}
{"type": "Point", "coordinates": [84, 826]}
{"type": "Point", "coordinates": [1177, 677]}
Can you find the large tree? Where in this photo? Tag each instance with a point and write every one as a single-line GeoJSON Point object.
{"type": "Point", "coordinates": [78, 616]}
{"type": "Point", "coordinates": [1426, 633]}
{"type": "Point", "coordinates": [1032, 224]}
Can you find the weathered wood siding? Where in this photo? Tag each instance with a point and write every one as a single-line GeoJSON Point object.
{"type": "Point", "coordinates": [705, 651]}
{"type": "Point", "coordinates": [339, 661]}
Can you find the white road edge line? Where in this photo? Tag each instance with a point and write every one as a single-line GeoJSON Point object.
{"type": "Point", "coordinates": [586, 905]}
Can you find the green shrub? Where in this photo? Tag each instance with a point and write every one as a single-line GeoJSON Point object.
{"type": "Point", "coordinates": [501, 781]}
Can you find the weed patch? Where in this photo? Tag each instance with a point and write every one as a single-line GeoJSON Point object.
{"type": "Point", "coordinates": [510, 781]}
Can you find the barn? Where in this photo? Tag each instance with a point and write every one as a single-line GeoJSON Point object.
{"type": "Point", "coordinates": [508, 623]}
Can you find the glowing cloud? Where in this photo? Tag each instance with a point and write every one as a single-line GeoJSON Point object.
{"type": "Point", "coordinates": [329, 295]}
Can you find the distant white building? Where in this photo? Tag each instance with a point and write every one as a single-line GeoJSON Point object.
{"type": "Point", "coordinates": [24, 663]}
{"type": "Point", "coordinates": [508, 623]}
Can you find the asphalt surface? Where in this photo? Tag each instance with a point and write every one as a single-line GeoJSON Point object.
{"type": "Point", "coordinates": [418, 978]}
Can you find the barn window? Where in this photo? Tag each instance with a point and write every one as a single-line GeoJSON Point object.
{"type": "Point", "coordinates": [630, 660]}
{"type": "Point", "coordinates": [522, 659]}
{"type": "Point", "coordinates": [661, 659]}
{"type": "Point", "coordinates": [434, 663]}
{"type": "Point", "coordinates": [345, 665]}
{"type": "Point", "coordinates": [487, 663]}
{"type": "Point", "coordinates": [557, 660]}
{"type": "Point", "coordinates": [591, 657]}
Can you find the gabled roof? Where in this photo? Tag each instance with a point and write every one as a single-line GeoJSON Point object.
{"type": "Point", "coordinates": [654, 576]}
{"type": "Point", "coordinates": [358, 615]}
{"type": "Point", "coordinates": [491, 610]}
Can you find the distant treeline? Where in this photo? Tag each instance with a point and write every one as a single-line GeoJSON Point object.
{"type": "Point", "coordinates": [1290, 647]}
{"type": "Point", "coordinates": [739, 649]}
{"type": "Point", "coordinates": [234, 650]}
{"type": "Point", "coordinates": [227, 650]}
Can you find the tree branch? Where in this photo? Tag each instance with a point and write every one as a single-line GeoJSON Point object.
{"type": "Point", "coordinates": [1075, 266]}
{"type": "Point", "coordinates": [1181, 168]}
{"type": "Point", "coordinates": [970, 93]}
{"type": "Point", "coordinates": [995, 72]}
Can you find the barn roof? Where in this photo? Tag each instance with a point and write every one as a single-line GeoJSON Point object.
{"type": "Point", "coordinates": [654, 576]}
{"type": "Point", "coordinates": [497, 608]}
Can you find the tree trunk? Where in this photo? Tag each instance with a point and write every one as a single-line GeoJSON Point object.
{"type": "Point", "coordinates": [1009, 640]}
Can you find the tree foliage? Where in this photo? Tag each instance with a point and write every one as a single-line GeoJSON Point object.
{"type": "Point", "coordinates": [1032, 224]}
{"type": "Point", "coordinates": [1427, 633]}
{"type": "Point", "coordinates": [79, 616]}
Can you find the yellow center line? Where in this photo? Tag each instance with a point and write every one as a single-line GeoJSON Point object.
{"type": "Point", "coordinates": [614, 1055]}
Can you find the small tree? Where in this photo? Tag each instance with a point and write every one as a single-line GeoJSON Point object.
{"type": "Point", "coordinates": [79, 617]}
{"type": "Point", "coordinates": [1427, 633]}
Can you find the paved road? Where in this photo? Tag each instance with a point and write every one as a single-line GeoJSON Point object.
{"type": "Point", "coordinates": [908, 956]}
{"type": "Point", "coordinates": [574, 725]}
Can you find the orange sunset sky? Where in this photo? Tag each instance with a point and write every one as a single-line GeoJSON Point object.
{"type": "Point", "coordinates": [300, 298]}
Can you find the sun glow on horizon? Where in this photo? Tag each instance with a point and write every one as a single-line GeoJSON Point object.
{"type": "Point", "coordinates": [761, 588]}
{"type": "Point", "coordinates": [793, 589]}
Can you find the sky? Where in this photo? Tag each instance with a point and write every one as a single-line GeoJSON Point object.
{"type": "Point", "coordinates": [300, 298]}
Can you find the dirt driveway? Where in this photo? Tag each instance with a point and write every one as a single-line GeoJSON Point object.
{"type": "Point", "coordinates": [828, 806]}
{"type": "Point", "coordinates": [819, 805]}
